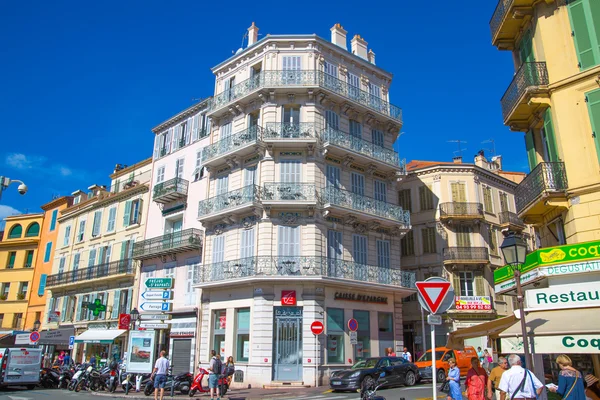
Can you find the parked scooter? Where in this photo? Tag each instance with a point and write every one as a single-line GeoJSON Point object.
{"type": "Point", "coordinates": [129, 381]}
{"type": "Point", "coordinates": [84, 379]}
{"type": "Point", "coordinates": [180, 383]}
{"type": "Point", "coordinates": [66, 374]}
{"type": "Point", "coordinates": [368, 391]}
{"type": "Point", "coordinates": [223, 382]}
{"type": "Point", "coordinates": [49, 378]}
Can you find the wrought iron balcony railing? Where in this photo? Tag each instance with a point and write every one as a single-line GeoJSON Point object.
{"type": "Point", "coordinates": [545, 177]}
{"type": "Point", "coordinates": [266, 79]}
{"type": "Point", "coordinates": [511, 218]}
{"type": "Point", "coordinates": [459, 209]}
{"type": "Point", "coordinates": [476, 254]}
{"type": "Point", "coordinates": [175, 188]}
{"type": "Point", "coordinates": [530, 75]}
{"type": "Point", "coordinates": [119, 267]}
{"type": "Point", "coordinates": [499, 15]}
{"type": "Point", "coordinates": [284, 191]}
{"type": "Point", "coordinates": [359, 145]}
{"type": "Point", "coordinates": [233, 142]}
{"type": "Point", "coordinates": [169, 243]}
{"type": "Point", "coordinates": [368, 205]}
{"type": "Point", "coordinates": [288, 130]}
{"type": "Point", "coordinates": [264, 266]}
{"type": "Point", "coordinates": [246, 195]}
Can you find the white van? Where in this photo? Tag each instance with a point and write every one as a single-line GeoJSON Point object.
{"type": "Point", "coordinates": [20, 367]}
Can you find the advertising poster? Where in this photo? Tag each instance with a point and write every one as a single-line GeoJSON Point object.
{"type": "Point", "coordinates": [222, 350]}
{"type": "Point", "coordinates": [359, 349]}
{"type": "Point", "coordinates": [222, 322]}
{"type": "Point", "coordinates": [140, 355]}
{"type": "Point", "coordinates": [333, 347]}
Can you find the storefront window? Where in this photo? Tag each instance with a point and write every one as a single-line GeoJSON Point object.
{"type": "Point", "coordinates": [386, 331]}
{"type": "Point", "coordinates": [335, 335]}
{"type": "Point", "coordinates": [362, 350]}
{"type": "Point", "coordinates": [220, 323]}
{"type": "Point", "coordinates": [243, 334]}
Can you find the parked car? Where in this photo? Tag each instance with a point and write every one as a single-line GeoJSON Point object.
{"type": "Point", "coordinates": [398, 371]}
{"type": "Point", "coordinates": [442, 355]}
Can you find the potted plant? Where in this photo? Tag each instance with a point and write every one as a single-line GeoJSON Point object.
{"type": "Point", "coordinates": [3, 297]}
{"type": "Point", "coordinates": [20, 296]}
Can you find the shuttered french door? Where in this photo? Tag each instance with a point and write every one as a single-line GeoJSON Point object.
{"type": "Point", "coordinates": [290, 171]}
{"type": "Point", "coordinates": [247, 253]}
{"type": "Point", "coordinates": [334, 251]}
{"type": "Point", "coordinates": [383, 260]}
{"type": "Point", "coordinates": [333, 176]}
{"type": "Point", "coordinates": [218, 257]}
{"type": "Point", "coordinates": [250, 176]}
{"type": "Point", "coordinates": [222, 184]}
{"type": "Point", "coordinates": [359, 252]}
{"type": "Point", "coordinates": [331, 74]}
{"type": "Point", "coordinates": [377, 137]}
{"type": "Point", "coordinates": [354, 85]}
{"type": "Point", "coordinates": [380, 190]}
{"type": "Point", "coordinates": [288, 249]}
{"type": "Point", "coordinates": [287, 347]}
{"type": "Point", "coordinates": [358, 184]}
{"type": "Point", "coordinates": [291, 67]}
{"type": "Point", "coordinates": [332, 120]}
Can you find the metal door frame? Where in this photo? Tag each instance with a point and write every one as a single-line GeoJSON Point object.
{"type": "Point", "coordinates": [293, 315]}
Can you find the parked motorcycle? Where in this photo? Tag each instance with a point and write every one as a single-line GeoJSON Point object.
{"type": "Point", "coordinates": [128, 383]}
{"type": "Point", "coordinates": [223, 382]}
{"type": "Point", "coordinates": [368, 390]}
{"type": "Point", "coordinates": [49, 378]}
{"type": "Point", "coordinates": [180, 383]}
{"type": "Point", "coordinates": [79, 370]}
{"type": "Point", "coordinates": [84, 379]}
{"type": "Point", "coordinates": [66, 374]}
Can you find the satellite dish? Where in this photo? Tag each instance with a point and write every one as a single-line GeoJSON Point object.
{"type": "Point", "coordinates": [239, 50]}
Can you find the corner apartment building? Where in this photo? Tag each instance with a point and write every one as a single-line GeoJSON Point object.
{"type": "Point", "coordinates": [18, 252]}
{"type": "Point", "coordinates": [301, 218]}
{"type": "Point", "coordinates": [458, 211]}
{"type": "Point", "coordinates": [93, 275]}
{"type": "Point", "coordinates": [174, 236]}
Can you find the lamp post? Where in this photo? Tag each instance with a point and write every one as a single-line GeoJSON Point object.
{"type": "Point", "coordinates": [135, 315]}
{"type": "Point", "coordinates": [36, 325]}
{"type": "Point", "coordinates": [514, 250]}
{"type": "Point", "coordinates": [5, 181]}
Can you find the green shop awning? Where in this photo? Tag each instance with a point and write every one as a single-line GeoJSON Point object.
{"type": "Point", "coordinates": [99, 335]}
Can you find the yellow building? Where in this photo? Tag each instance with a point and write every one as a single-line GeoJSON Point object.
{"type": "Point", "coordinates": [554, 98]}
{"type": "Point", "coordinates": [18, 251]}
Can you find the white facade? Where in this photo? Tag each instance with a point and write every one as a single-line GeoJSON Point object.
{"type": "Point", "coordinates": [301, 211]}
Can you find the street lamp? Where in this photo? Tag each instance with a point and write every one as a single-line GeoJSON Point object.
{"type": "Point", "coordinates": [36, 325]}
{"type": "Point", "coordinates": [514, 250]}
{"type": "Point", "coordinates": [135, 315]}
{"type": "Point", "coordinates": [5, 181]}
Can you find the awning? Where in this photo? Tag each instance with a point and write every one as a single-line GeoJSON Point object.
{"type": "Point", "coordinates": [456, 339]}
{"type": "Point", "coordinates": [558, 322]}
{"type": "Point", "coordinates": [99, 335]}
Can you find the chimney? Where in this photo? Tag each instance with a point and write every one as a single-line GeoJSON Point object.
{"type": "Point", "coordinates": [457, 160]}
{"type": "Point", "coordinates": [338, 36]}
{"type": "Point", "coordinates": [359, 47]}
{"type": "Point", "coordinates": [252, 34]}
{"type": "Point", "coordinates": [480, 160]}
{"type": "Point", "coordinates": [372, 57]}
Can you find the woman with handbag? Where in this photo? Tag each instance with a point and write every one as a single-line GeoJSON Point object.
{"type": "Point", "coordinates": [476, 381]}
{"type": "Point", "coordinates": [453, 380]}
{"type": "Point", "coordinates": [570, 381]}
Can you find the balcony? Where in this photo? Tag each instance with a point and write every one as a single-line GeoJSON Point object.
{"type": "Point", "coordinates": [230, 203]}
{"type": "Point", "coordinates": [170, 243]}
{"type": "Point", "coordinates": [293, 194]}
{"type": "Point", "coordinates": [345, 201]}
{"type": "Point", "coordinates": [108, 271]}
{"type": "Point", "coordinates": [171, 190]}
{"type": "Point", "coordinates": [511, 221]}
{"type": "Point", "coordinates": [290, 134]}
{"type": "Point", "coordinates": [461, 212]}
{"type": "Point", "coordinates": [526, 95]}
{"type": "Point", "coordinates": [466, 255]}
{"type": "Point", "coordinates": [508, 21]}
{"type": "Point", "coordinates": [304, 79]}
{"type": "Point", "coordinates": [239, 144]}
{"type": "Point", "coordinates": [340, 143]}
{"type": "Point", "coordinates": [300, 267]}
{"type": "Point", "coordinates": [542, 190]}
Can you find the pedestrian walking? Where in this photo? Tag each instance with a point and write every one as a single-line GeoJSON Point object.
{"type": "Point", "coordinates": [161, 368]}
{"type": "Point", "coordinates": [571, 384]}
{"type": "Point", "coordinates": [495, 376]}
{"type": "Point", "coordinates": [476, 380]}
{"type": "Point", "coordinates": [454, 380]}
{"type": "Point", "coordinates": [214, 371]}
{"type": "Point", "coordinates": [519, 383]}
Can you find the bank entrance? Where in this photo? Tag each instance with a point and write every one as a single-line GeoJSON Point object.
{"type": "Point", "coordinates": [287, 336]}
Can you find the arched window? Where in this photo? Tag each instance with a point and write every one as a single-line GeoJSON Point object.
{"type": "Point", "coordinates": [33, 230]}
{"type": "Point", "coordinates": [15, 232]}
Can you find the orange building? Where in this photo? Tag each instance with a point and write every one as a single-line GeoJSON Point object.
{"type": "Point", "coordinates": [43, 266]}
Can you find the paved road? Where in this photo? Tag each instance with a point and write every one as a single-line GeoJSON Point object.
{"type": "Point", "coordinates": [418, 392]}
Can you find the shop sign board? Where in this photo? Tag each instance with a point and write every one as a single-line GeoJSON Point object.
{"type": "Point", "coordinates": [473, 302]}
{"type": "Point", "coordinates": [124, 321]}
{"type": "Point", "coordinates": [159, 283]}
{"type": "Point", "coordinates": [568, 344]}
{"type": "Point", "coordinates": [567, 254]}
{"type": "Point", "coordinates": [564, 296]}
{"type": "Point", "coordinates": [288, 297]}
{"type": "Point", "coordinates": [22, 339]}
{"type": "Point", "coordinates": [140, 351]}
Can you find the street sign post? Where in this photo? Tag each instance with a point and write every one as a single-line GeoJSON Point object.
{"type": "Point", "coordinates": [155, 317]}
{"type": "Point", "coordinates": [156, 306]}
{"type": "Point", "coordinates": [159, 283]}
{"type": "Point", "coordinates": [71, 342]}
{"type": "Point", "coordinates": [353, 338]}
{"type": "Point", "coordinates": [157, 295]}
{"type": "Point", "coordinates": [153, 325]}
{"type": "Point", "coordinates": [317, 328]}
{"type": "Point", "coordinates": [34, 336]}
{"type": "Point", "coordinates": [436, 296]}
{"type": "Point", "coordinates": [352, 325]}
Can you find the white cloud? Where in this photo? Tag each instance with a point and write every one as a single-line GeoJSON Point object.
{"type": "Point", "coordinates": [23, 162]}
{"type": "Point", "coordinates": [40, 164]}
{"type": "Point", "coordinates": [6, 211]}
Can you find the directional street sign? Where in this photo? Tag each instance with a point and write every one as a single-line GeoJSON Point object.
{"type": "Point", "coordinates": [433, 319]}
{"type": "Point", "coordinates": [159, 283]}
{"type": "Point", "coordinates": [155, 317]}
{"type": "Point", "coordinates": [433, 292]}
{"type": "Point", "coordinates": [157, 295]}
{"type": "Point", "coordinates": [152, 325]}
{"type": "Point", "coordinates": [156, 306]}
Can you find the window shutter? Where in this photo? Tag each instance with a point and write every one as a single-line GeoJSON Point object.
{"type": "Point", "coordinates": [422, 202]}
{"type": "Point", "coordinates": [334, 245]}
{"type": "Point", "coordinates": [116, 300]}
{"type": "Point", "coordinates": [383, 253]}
{"type": "Point", "coordinates": [127, 215]}
{"type": "Point", "coordinates": [332, 120]}
{"type": "Point", "coordinates": [333, 176]}
{"type": "Point", "coordinates": [124, 249]}
{"type": "Point", "coordinates": [129, 299]}
{"type": "Point", "coordinates": [156, 146]}
{"type": "Point", "coordinates": [359, 249]}
{"type": "Point", "coordinates": [53, 220]}
{"type": "Point", "coordinates": [92, 258]}
{"type": "Point", "coordinates": [139, 211]}
{"type": "Point", "coordinates": [48, 251]}
{"type": "Point", "coordinates": [97, 223]}
{"type": "Point", "coordinates": [593, 102]}
{"type": "Point", "coordinates": [168, 140]}
{"type": "Point", "coordinates": [63, 314]}
{"type": "Point", "coordinates": [380, 190]}
{"type": "Point", "coordinates": [456, 283]}
{"type": "Point", "coordinates": [78, 310]}
{"type": "Point", "coordinates": [549, 129]}
{"type": "Point", "coordinates": [250, 176]}
{"type": "Point", "coordinates": [530, 147]}
{"type": "Point", "coordinates": [526, 48]}
{"type": "Point", "coordinates": [358, 184]}
{"type": "Point", "coordinates": [218, 249]}
{"type": "Point", "coordinates": [479, 286]}
{"type": "Point", "coordinates": [583, 34]}
{"type": "Point", "coordinates": [247, 248]}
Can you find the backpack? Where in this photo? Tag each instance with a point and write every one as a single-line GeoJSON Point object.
{"type": "Point", "coordinates": [218, 368]}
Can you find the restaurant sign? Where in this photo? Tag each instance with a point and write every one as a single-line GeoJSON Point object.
{"type": "Point", "coordinates": [568, 344]}
{"type": "Point", "coordinates": [564, 296]}
{"type": "Point", "coordinates": [560, 255]}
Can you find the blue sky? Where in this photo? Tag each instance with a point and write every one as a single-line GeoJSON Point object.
{"type": "Point", "coordinates": [82, 83]}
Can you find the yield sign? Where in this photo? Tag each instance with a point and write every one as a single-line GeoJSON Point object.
{"type": "Point", "coordinates": [433, 292]}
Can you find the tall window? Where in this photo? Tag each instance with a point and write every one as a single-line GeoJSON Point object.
{"type": "Point", "coordinates": [380, 190]}
{"type": "Point", "coordinates": [359, 249]}
{"type": "Point", "coordinates": [29, 259]}
{"type": "Point", "coordinates": [250, 175]}
{"type": "Point", "coordinates": [76, 259]}
{"type": "Point", "coordinates": [218, 249]}
{"type": "Point", "coordinates": [291, 115]}
{"type": "Point", "coordinates": [112, 217]}
{"type": "Point", "coordinates": [428, 236]}
{"type": "Point", "coordinates": [488, 204]}
{"type": "Point", "coordinates": [503, 202]}
{"type": "Point", "coordinates": [225, 130]}
{"type": "Point", "coordinates": [593, 103]}
{"type": "Point", "coordinates": [492, 240]}
{"type": "Point", "coordinates": [363, 347]}
{"type": "Point", "coordinates": [330, 69]}
{"type": "Point", "coordinates": [53, 220]}
{"type": "Point", "coordinates": [354, 83]}
{"type": "Point", "coordinates": [425, 197]}
{"type": "Point", "coordinates": [133, 212]}
{"type": "Point", "coordinates": [334, 245]}
{"type": "Point", "coordinates": [219, 326]}
{"type": "Point", "coordinates": [290, 171]}
{"type": "Point", "coordinates": [160, 174]}
{"type": "Point", "coordinates": [67, 236]}
{"type": "Point", "coordinates": [335, 336]}
{"type": "Point", "coordinates": [198, 167]}
{"type": "Point", "coordinates": [288, 241]}
{"type": "Point", "coordinates": [407, 243]}
{"type": "Point", "coordinates": [332, 120]}
{"type": "Point", "coordinates": [463, 236]}
{"type": "Point", "coordinates": [247, 245]}
{"type": "Point", "coordinates": [190, 292]}
{"type": "Point", "coordinates": [81, 231]}
{"type": "Point", "coordinates": [12, 256]}
{"type": "Point", "coordinates": [5, 290]}
{"type": "Point", "coordinates": [243, 334]}
{"type": "Point", "coordinates": [459, 192]}
{"type": "Point", "coordinates": [358, 184]}
{"type": "Point", "coordinates": [383, 253]}
{"type": "Point", "coordinates": [378, 138]}
{"type": "Point", "coordinates": [585, 17]}
{"type": "Point", "coordinates": [61, 267]}
{"type": "Point", "coordinates": [222, 184]}
{"type": "Point", "coordinates": [333, 176]}
{"type": "Point", "coordinates": [179, 163]}
{"type": "Point", "coordinates": [355, 129]}
{"type": "Point", "coordinates": [404, 200]}
{"type": "Point", "coordinates": [97, 223]}
{"type": "Point", "coordinates": [17, 321]}
{"type": "Point", "coordinates": [466, 283]}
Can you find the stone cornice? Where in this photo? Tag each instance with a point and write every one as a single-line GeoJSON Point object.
{"type": "Point", "coordinates": [181, 115]}
{"type": "Point", "coordinates": [466, 169]}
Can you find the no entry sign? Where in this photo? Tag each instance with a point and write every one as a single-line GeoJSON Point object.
{"type": "Point", "coordinates": [317, 327]}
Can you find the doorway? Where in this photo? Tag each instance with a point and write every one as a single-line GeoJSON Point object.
{"type": "Point", "coordinates": [287, 336]}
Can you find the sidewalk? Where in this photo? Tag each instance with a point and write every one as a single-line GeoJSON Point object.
{"type": "Point", "coordinates": [236, 394]}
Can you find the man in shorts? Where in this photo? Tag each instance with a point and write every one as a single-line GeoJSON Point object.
{"type": "Point", "coordinates": [161, 367]}
{"type": "Point", "coordinates": [214, 371]}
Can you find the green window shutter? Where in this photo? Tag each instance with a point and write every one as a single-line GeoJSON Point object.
{"type": "Point", "coordinates": [456, 283]}
{"type": "Point", "coordinates": [116, 300]}
{"type": "Point", "coordinates": [124, 249]}
{"type": "Point", "coordinates": [526, 48]}
{"type": "Point", "coordinates": [530, 147]}
{"type": "Point", "coordinates": [479, 286]}
{"type": "Point", "coordinates": [127, 216]}
{"type": "Point", "coordinates": [593, 102]}
{"type": "Point", "coordinates": [586, 41]}
{"type": "Point", "coordinates": [550, 137]}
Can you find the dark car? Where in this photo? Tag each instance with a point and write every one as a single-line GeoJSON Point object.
{"type": "Point", "coordinates": [398, 371]}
